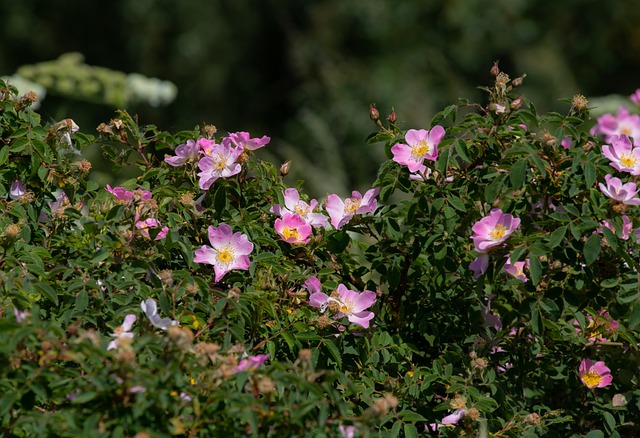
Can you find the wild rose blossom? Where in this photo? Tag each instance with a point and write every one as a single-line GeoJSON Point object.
{"type": "Point", "coordinates": [627, 227]}
{"type": "Point", "coordinates": [122, 332]}
{"type": "Point", "coordinates": [293, 229]}
{"type": "Point", "coordinates": [623, 156]}
{"type": "Point", "coordinates": [220, 161]}
{"type": "Point", "coordinates": [516, 269]}
{"type": "Point", "coordinates": [244, 141]}
{"type": "Point", "coordinates": [150, 309]}
{"type": "Point", "coordinates": [120, 193]}
{"type": "Point", "coordinates": [625, 193]}
{"type": "Point", "coordinates": [492, 230]}
{"type": "Point", "coordinates": [293, 204]}
{"type": "Point", "coordinates": [17, 189]}
{"type": "Point", "coordinates": [454, 417]}
{"type": "Point", "coordinates": [228, 251]}
{"type": "Point", "coordinates": [146, 224]}
{"type": "Point", "coordinates": [421, 145]}
{"type": "Point", "coordinates": [252, 363]}
{"type": "Point", "coordinates": [479, 265]}
{"type": "Point", "coordinates": [341, 212]}
{"type": "Point", "coordinates": [622, 123]}
{"type": "Point", "coordinates": [594, 375]}
{"type": "Point", "coordinates": [184, 154]}
{"type": "Point", "coordinates": [348, 303]}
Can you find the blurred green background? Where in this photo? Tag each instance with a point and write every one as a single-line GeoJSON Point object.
{"type": "Point", "coordinates": [305, 71]}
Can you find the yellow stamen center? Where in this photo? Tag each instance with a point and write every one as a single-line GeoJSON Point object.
{"type": "Point", "coordinates": [351, 205]}
{"type": "Point", "coordinates": [291, 232]}
{"type": "Point", "coordinates": [219, 162]}
{"type": "Point", "coordinates": [346, 307]}
{"type": "Point", "coordinates": [625, 130]}
{"type": "Point", "coordinates": [301, 209]}
{"type": "Point", "coordinates": [497, 232]}
{"type": "Point", "coordinates": [225, 255]}
{"type": "Point", "coordinates": [419, 149]}
{"type": "Point", "coordinates": [591, 379]}
{"type": "Point", "coordinates": [628, 160]}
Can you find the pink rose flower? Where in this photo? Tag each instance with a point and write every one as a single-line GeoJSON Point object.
{"type": "Point", "coordinates": [150, 223]}
{"type": "Point", "coordinates": [622, 123]}
{"type": "Point", "coordinates": [120, 193]}
{"type": "Point", "coordinates": [293, 204]}
{"type": "Point", "coordinates": [492, 230]}
{"type": "Point", "coordinates": [228, 250]}
{"type": "Point", "coordinates": [516, 269]}
{"type": "Point", "coordinates": [623, 156]}
{"type": "Point", "coordinates": [479, 265]}
{"type": "Point", "coordinates": [341, 212]}
{"type": "Point", "coordinates": [594, 375]}
{"type": "Point", "coordinates": [350, 303]}
{"type": "Point", "coordinates": [293, 229]}
{"type": "Point", "coordinates": [421, 145]}
{"type": "Point", "coordinates": [220, 161]}
{"type": "Point", "coordinates": [184, 154]}
{"type": "Point", "coordinates": [252, 363]}
{"type": "Point", "coordinates": [243, 141]}
{"type": "Point", "coordinates": [625, 193]}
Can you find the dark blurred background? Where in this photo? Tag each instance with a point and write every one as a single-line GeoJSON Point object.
{"type": "Point", "coordinates": [305, 71]}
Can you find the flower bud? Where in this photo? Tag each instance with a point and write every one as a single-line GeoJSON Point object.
{"type": "Point", "coordinates": [533, 419]}
{"type": "Point", "coordinates": [284, 168]}
{"type": "Point", "coordinates": [518, 81]}
{"type": "Point", "coordinates": [619, 400]}
{"type": "Point", "coordinates": [373, 113]}
{"type": "Point", "coordinates": [516, 104]}
{"type": "Point", "coordinates": [495, 70]}
{"type": "Point", "coordinates": [391, 118]}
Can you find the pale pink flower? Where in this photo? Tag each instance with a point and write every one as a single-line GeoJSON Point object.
{"type": "Point", "coordinates": [243, 140]}
{"type": "Point", "coordinates": [312, 284]}
{"type": "Point", "coordinates": [120, 193]}
{"type": "Point", "coordinates": [622, 123]}
{"type": "Point", "coordinates": [341, 212]}
{"type": "Point", "coordinates": [421, 145]}
{"type": "Point", "coordinates": [494, 229]}
{"type": "Point", "coordinates": [627, 227]}
{"type": "Point", "coordinates": [350, 303]}
{"type": "Point", "coordinates": [17, 189]}
{"type": "Point", "coordinates": [594, 375]}
{"type": "Point", "coordinates": [293, 229]}
{"type": "Point", "coordinates": [347, 431]}
{"type": "Point", "coordinates": [566, 142]}
{"type": "Point", "coordinates": [252, 363]}
{"type": "Point", "coordinates": [625, 193]}
{"type": "Point", "coordinates": [623, 156]}
{"type": "Point", "coordinates": [122, 332]}
{"type": "Point", "coordinates": [150, 309]}
{"type": "Point", "coordinates": [220, 161]}
{"type": "Point", "coordinates": [293, 204]}
{"type": "Point", "coordinates": [184, 154]}
{"type": "Point", "coordinates": [635, 97]}
{"type": "Point", "coordinates": [479, 265]}
{"type": "Point", "coordinates": [516, 269]}
{"type": "Point", "coordinates": [454, 417]}
{"type": "Point", "coordinates": [491, 318]}
{"type": "Point", "coordinates": [228, 251]}
{"type": "Point", "coordinates": [421, 174]}
{"type": "Point", "coordinates": [151, 223]}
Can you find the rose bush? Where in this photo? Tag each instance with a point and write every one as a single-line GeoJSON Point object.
{"type": "Point", "coordinates": [486, 285]}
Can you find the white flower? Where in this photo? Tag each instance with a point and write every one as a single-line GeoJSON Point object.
{"type": "Point", "coordinates": [150, 309]}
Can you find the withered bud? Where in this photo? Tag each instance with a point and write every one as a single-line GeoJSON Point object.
{"type": "Point", "coordinates": [186, 199]}
{"type": "Point", "coordinates": [284, 168]}
{"type": "Point", "coordinates": [103, 128]}
{"type": "Point", "coordinates": [127, 234]}
{"type": "Point", "coordinates": [473, 355]}
{"type": "Point", "coordinates": [46, 346]}
{"type": "Point", "coordinates": [472, 414]}
{"type": "Point", "coordinates": [192, 288]}
{"type": "Point", "coordinates": [243, 158]}
{"type": "Point", "coordinates": [373, 113]}
{"type": "Point", "coordinates": [142, 435]}
{"type": "Point", "coordinates": [304, 355]}
{"type": "Point", "coordinates": [580, 102]}
{"type": "Point", "coordinates": [619, 207]}
{"type": "Point", "coordinates": [182, 337]}
{"type": "Point", "coordinates": [533, 419]}
{"type": "Point", "coordinates": [382, 406]}
{"type": "Point", "coordinates": [27, 100]}
{"type": "Point", "coordinates": [209, 131]}
{"type": "Point", "coordinates": [83, 166]}
{"type": "Point", "coordinates": [125, 353]}
{"type": "Point", "coordinates": [549, 139]}
{"type": "Point", "coordinates": [479, 363]}
{"type": "Point", "coordinates": [208, 349]}
{"type": "Point", "coordinates": [618, 401]}
{"type": "Point", "coordinates": [265, 385]}
{"type": "Point", "coordinates": [495, 70]}
{"type": "Point", "coordinates": [12, 231]}
{"type": "Point", "coordinates": [234, 293]}
{"type": "Point", "coordinates": [166, 276]}
{"type": "Point", "coordinates": [518, 81]}
{"type": "Point", "coordinates": [323, 321]}
{"type": "Point", "coordinates": [459, 402]}
{"type": "Point", "coordinates": [502, 80]}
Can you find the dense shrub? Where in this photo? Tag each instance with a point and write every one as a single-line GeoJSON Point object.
{"type": "Point", "coordinates": [488, 280]}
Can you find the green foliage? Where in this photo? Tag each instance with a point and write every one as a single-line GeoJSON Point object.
{"type": "Point", "coordinates": [73, 267]}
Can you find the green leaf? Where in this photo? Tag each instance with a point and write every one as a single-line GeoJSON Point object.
{"type": "Point", "coordinates": [592, 249]}
{"type": "Point", "coordinates": [610, 422]}
{"type": "Point", "coordinates": [456, 203]}
{"type": "Point", "coordinates": [407, 415]}
{"type": "Point", "coordinates": [590, 174]}
{"type": "Point", "coordinates": [334, 352]}
{"type": "Point", "coordinates": [47, 291]}
{"type": "Point", "coordinates": [4, 155]}
{"type": "Point", "coordinates": [461, 149]}
{"type": "Point", "coordinates": [555, 238]}
{"type": "Point", "coordinates": [410, 431]}
{"type": "Point", "coordinates": [518, 172]}
{"type": "Point", "coordinates": [634, 318]}
{"type": "Point", "coordinates": [82, 300]}
{"type": "Point", "coordinates": [535, 269]}
{"type": "Point", "coordinates": [595, 434]}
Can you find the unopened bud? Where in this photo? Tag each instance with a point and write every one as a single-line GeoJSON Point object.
{"type": "Point", "coordinates": [373, 113]}
{"type": "Point", "coordinates": [391, 118]}
{"type": "Point", "coordinates": [495, 70]}
{"type": "Point", "coordinates": [516, 104]}
{"type": "Point", "coordinates": [284, 168]}
{"type": "Point", "coordinates": [518, 81]}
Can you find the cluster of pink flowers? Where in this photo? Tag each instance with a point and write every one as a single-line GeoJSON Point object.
{"type": "Point", "coordinates": [620, 124]}
{"type": "Point", "coordinates": [420, 145]}
{"type": "Point", "coordinates": [344, 302]}
{"type": "Point", "coordinates": [489, 232]}
{"type": "Point", "coordinates": [124, 196]}
{"type": "Point", "coordinates": [216, 160]}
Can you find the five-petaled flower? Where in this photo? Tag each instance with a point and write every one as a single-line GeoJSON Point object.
{"type": "Point", "coordinates": [623, 156]}
{"type": "Point", "coordinates": [516, 269]}
{"type": "Point", "coordinates": [341, 212]}
{"type": "Point", "coordinates": [293, 229]}
{"type": "Point", "coordinates": [494, 229]}
{"type": "Point", "coordinates": [625, 193]}
{"type": "Point", "coordinates": [293, 204]}
{"type": "Point", "coordinates": [122, 332]}
{"type": "Point", "coordinates": [150, 308]}
{"type": "Point", "coordinates": [594, 375]}
{"type": "Point", "coordinates": [347, 303]}
{"type": "Point", "coordinates": [151, 223]}
{"type": "Point", "coordinates": [220, 161]}
{"type": "Point", "coordinates": [421, 145]}
{"type": "Point", "coordinates": [184, 154]}
{"type": "Point", "coordinates": [622, 123]}
{"type": "Point", "coordinates": [228, 250]}
{"type": "Point", "coordinates": [243, 141]}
